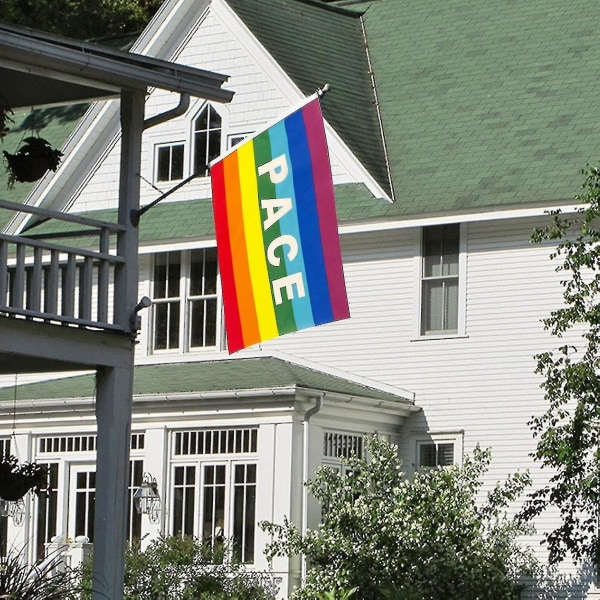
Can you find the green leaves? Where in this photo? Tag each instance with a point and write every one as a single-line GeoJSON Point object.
{"type": "Point", "coordinates": [568, 432]}
{"type": "Point", "coordinates": [427, 537]}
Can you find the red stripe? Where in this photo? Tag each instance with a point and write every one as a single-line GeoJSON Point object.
{"type": "Point", "coordinates": [235, 340]}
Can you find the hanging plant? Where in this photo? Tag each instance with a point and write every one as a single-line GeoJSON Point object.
{"type": "Point", "coordinates": [31, 160]}
{"type": "Point", "coordinates": [5, 119]}
{"type": "Point", "coordinates": [17, 479]}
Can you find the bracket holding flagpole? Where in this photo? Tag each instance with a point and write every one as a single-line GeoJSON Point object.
{"type": "Point", "coordinates": [323, 90]}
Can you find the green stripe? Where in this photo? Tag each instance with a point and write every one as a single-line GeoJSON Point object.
{"type": "Point", "coordinates": [284, 314]}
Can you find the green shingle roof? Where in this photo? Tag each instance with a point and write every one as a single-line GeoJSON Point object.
{"type": "Point", "coordinates": [317, 44]}
{"type": "Point", "coordinates": [482, 104]}
{"type": "Point", "coordinates": [193, 219]}
{"type": "Point", "coordinates": [485, 103]}
{"type": "Point", "coordinates": [55, 124]}
{"type": "Point", "coordinates": [206, 377]}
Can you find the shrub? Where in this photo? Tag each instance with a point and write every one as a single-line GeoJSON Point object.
{"type": "Point", "coordinates": [425, 538]}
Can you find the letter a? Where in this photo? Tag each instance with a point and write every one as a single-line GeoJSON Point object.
{"type": "Point", "coordinates": [275, 208]}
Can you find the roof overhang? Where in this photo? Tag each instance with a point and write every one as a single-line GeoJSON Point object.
{"type": "Point", "coordinates": [39, 69]}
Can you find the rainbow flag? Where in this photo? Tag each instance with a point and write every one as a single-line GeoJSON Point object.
{"type": "Point", "coordinates": [276, 227]}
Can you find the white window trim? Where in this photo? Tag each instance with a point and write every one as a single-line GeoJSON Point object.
{"type": "Point", "coordinates": [184, 348]}
{"type": "Point", "coordinates": [167, 144]}
{"type": "Point", "coordinates": [452, 437]}
{"type": "Point", "coordinates": [194, 114]}
{"type": "Point", "coordinates": [462, 288]}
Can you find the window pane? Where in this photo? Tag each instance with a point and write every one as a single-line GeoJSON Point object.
{"type": "Point", "coordinates": [244, 512]}
{"type": "Point", "coordinates": [433, 302]}
{"type": "Point", "coordinates": [213, 513]}
{"type": "Point", "coordinates": [427, 455]}
{"type": "Point", "coordinates": [207, 139]}
{"type": "Point", "coordinates": [163, 163]}
{"type": "Point", "coordinates": [451, 305]}
{"type": "Point", "coordinates": [445, 455]}
{"type": "Point", "coordinates": [184, 493]}
{"type": "Point", "coordinates": [177, 162]}
{"type": "Point", "coordinates": [215, 118]}
{"type": "Point", "coordinates": [46, 512]}
{"type": "Point", "coordinates": [160, 325]}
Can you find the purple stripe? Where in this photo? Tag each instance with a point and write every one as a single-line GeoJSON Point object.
{"type": "Point", "coordinates": [323, 185]}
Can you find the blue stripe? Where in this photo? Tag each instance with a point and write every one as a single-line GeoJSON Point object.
{"type": "Point", "coordinates": [289, 225]}
{"type": "Point", "coordinates": [308, 218]}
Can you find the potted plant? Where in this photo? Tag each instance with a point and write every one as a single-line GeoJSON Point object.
{"type": "Point", "coordinates": [17, 479]}
{"type": "Point", "coordinates": [32, 160]}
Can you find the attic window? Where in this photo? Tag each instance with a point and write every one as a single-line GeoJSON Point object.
{"type": "Point", "coordinates": [207, 139]}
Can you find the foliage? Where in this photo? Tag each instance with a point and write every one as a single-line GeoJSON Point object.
{"type": "Point", "coordinates": [5, 119]}
{"type": "Point", "coordinates": [568, 433]}
{"type": "Point", "coordinates": [33, 158]}
{"type": "Point", "coordinates": [37, 582]}
{"type": "Point", "coordinates": [182, 568]}
{"type": "Point", "coordinates": [424, 538]}
{"type": "Point", "coordinates": [81, 19]}
{"type": "Point", "coordinates": [17, 479]}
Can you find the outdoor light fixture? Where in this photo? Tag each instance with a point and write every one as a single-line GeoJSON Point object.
{"type": "Point", "coordinates": [14, 509]}
{"type": "Point", "coordinates": [146, 498]}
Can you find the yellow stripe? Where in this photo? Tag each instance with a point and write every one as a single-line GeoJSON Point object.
{"type": "Point", "coordinates": [259, 275]}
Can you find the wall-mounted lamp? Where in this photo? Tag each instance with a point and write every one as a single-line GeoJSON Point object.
{"type": "Point", "coordinates": [14, 509]}
{"type": "Point", "coordinates": [136, 321]}
{"type": "Point", "coordinates": [146, 499]}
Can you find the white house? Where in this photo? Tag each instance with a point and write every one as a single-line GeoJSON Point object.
{"type": "Point", "coordinates": [453, 128]}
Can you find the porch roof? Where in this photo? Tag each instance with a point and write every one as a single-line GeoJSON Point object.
{"type": "Point", "coordinates": [214, 378]}
{"type": "Point", "coordinates": [40, 69]}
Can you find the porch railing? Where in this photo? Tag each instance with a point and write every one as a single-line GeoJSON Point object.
{"type": "Point", "coordinates": [65, 275]}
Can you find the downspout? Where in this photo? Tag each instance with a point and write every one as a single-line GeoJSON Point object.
{"type": "Point", "coordinates": [177, 111]}
{"type": "Point", "coordinates": [306, 435]}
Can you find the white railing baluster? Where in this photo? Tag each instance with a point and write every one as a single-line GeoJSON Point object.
{"type": "Point", "coordinates": [3, 273]}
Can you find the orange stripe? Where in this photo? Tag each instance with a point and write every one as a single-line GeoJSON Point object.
{"type": "Point", "coordinates": [239, 252]}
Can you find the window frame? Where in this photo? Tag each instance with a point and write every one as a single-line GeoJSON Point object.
{"type": "Point", "coordinates": [170, 145]}
{"type": "Point", "coordinates": [439, 439]}
{"type": "Point", "coordinates": [194, 134]}
{"type": "Point", "coordinates": [419, 333]}
{"type": "Point", "coordinates": [194, 502]}
{"type": "Point", "coordinates": [185, 300]}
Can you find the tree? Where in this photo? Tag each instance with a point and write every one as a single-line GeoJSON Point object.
{"type": "Point", "coordinates": [568, 433]}
{"type": "Point", "coordinates": [81, 19]}
{"type": "Point", "coordinates": [424, 538]}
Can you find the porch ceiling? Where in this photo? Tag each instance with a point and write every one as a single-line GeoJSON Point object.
{"type": "Point", "coordinates": [39, 69]}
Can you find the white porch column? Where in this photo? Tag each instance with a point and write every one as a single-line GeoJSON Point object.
{"type": "Point", "coordinates": [115, 384]}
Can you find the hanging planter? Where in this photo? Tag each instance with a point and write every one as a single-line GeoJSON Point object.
{"type": "Point", "coordinates": [17, 479]}
{"type": "Point", "coordinates": [31, 161]}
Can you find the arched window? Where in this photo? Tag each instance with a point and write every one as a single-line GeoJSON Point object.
{"type": "Point", "coordinates": [207, 139]}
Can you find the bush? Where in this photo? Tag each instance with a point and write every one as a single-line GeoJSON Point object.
{"type": "Point", "coordinates": [182, 568]}
{"type": "Point", "coordinates": [425, 538]}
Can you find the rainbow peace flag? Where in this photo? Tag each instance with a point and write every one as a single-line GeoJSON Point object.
{"type": "Point", "coordinates": [276, 227]}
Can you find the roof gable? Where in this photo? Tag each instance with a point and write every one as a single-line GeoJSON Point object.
{"type": "Point", "coordinates": [317, 44]}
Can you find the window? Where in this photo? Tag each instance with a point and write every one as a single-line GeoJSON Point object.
{"type": "Point", "coordinates": [338, 445]}
{"type": "Point", "coordinates": [169, 162]}
{"type": "Point", "coordinates": [207, 139]}
{"type": "Point", "coordinates": [47, 512]}
{"type": "Point", "coordinates": [440, 279]}
{"type": "Point", "coordinates": [435, 454]}
{"type": "Point", "coordinates": [185, 306]}
{"type": "Point", "coordinates": [214, 497]}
